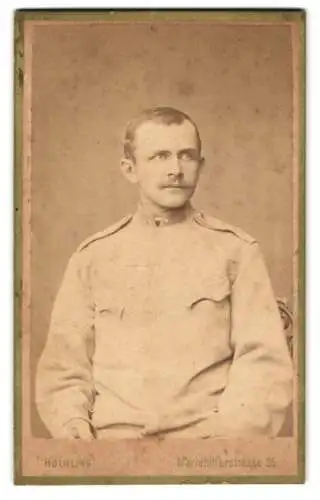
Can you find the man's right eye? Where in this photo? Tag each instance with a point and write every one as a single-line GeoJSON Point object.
{"type": "Point", "coordinates": [161, 155]}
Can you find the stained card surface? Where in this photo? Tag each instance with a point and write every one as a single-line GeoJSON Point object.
{"type": "Point", "coordinates": [159, 177]}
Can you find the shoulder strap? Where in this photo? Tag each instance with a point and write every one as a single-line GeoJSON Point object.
{"type": "Point", "coordinates": [105, 233]}
{"type": "Point", "coordinates": [218, 225]}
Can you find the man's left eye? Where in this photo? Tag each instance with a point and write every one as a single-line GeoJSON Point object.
{"type": "Point", "coordinates": [186, 157]}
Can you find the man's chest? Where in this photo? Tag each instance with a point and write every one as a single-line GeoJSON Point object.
{"type": "Point", "coordinates": [152, 281]}
{"type": "Point", "coordinates": [154, 298]}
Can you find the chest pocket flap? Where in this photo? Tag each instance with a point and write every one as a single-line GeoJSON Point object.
{"type": "Point", "coordinates": [215, 290]}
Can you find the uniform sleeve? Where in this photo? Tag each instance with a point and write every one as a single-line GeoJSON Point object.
{"type": "Point", "coordinates": [259, 386]}
{"type": "Point", "coordinates": [64, 382]}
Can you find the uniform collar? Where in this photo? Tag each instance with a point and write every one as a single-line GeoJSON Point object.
{"type": "Point", "coordinates": [166, 219]}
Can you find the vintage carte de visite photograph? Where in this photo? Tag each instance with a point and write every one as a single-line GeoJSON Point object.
{"type": "Point", "coordinates": [159, 251]}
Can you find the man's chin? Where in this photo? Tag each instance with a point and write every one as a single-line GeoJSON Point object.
{"type": "Point", "coordinates": [174, 198]}
{"type": "Point", "coordinates": [173, 204]}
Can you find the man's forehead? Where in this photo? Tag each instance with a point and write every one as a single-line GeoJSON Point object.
{"type": "Point", "coordinates": [153, 135]}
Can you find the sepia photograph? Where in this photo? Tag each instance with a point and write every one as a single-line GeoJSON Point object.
{"type": "Point", "coordinates": [159, 247]}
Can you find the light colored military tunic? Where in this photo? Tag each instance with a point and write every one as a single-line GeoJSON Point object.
{"type": "Point", "coordinates": [166, 328]}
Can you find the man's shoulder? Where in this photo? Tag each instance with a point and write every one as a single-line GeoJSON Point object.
{"type": "Point", "coordinates": [105, 233]}
{"type": "Point", "coordinates": [214, 224]}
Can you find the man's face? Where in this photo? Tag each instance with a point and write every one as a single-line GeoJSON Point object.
{"type": "Point", "coordinates": [167, 163]}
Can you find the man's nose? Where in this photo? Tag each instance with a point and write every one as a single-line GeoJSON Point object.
{"type": "Point", "coordinates": [175, 166]}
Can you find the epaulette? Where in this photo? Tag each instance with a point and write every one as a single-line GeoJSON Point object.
{"type": "Point", "coordinates": [105, 233]}
{"type": "Point", "coordinates": [217, 225]}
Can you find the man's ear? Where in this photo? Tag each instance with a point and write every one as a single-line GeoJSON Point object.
{"type": "Point", "coordinates": [127, 167]}
{"type": "Point", "coordinates": [202, 163]}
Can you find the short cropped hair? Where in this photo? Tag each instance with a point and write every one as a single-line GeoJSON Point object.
{"type": "Point", "coordinates": [158, 114]}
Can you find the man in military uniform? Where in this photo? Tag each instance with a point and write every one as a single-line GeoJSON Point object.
{"type": "Point", "coordinates": [165, 324]}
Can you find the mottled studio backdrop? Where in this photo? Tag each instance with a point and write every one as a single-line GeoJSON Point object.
{"type": "Point", "coordinates": [87, 82]}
